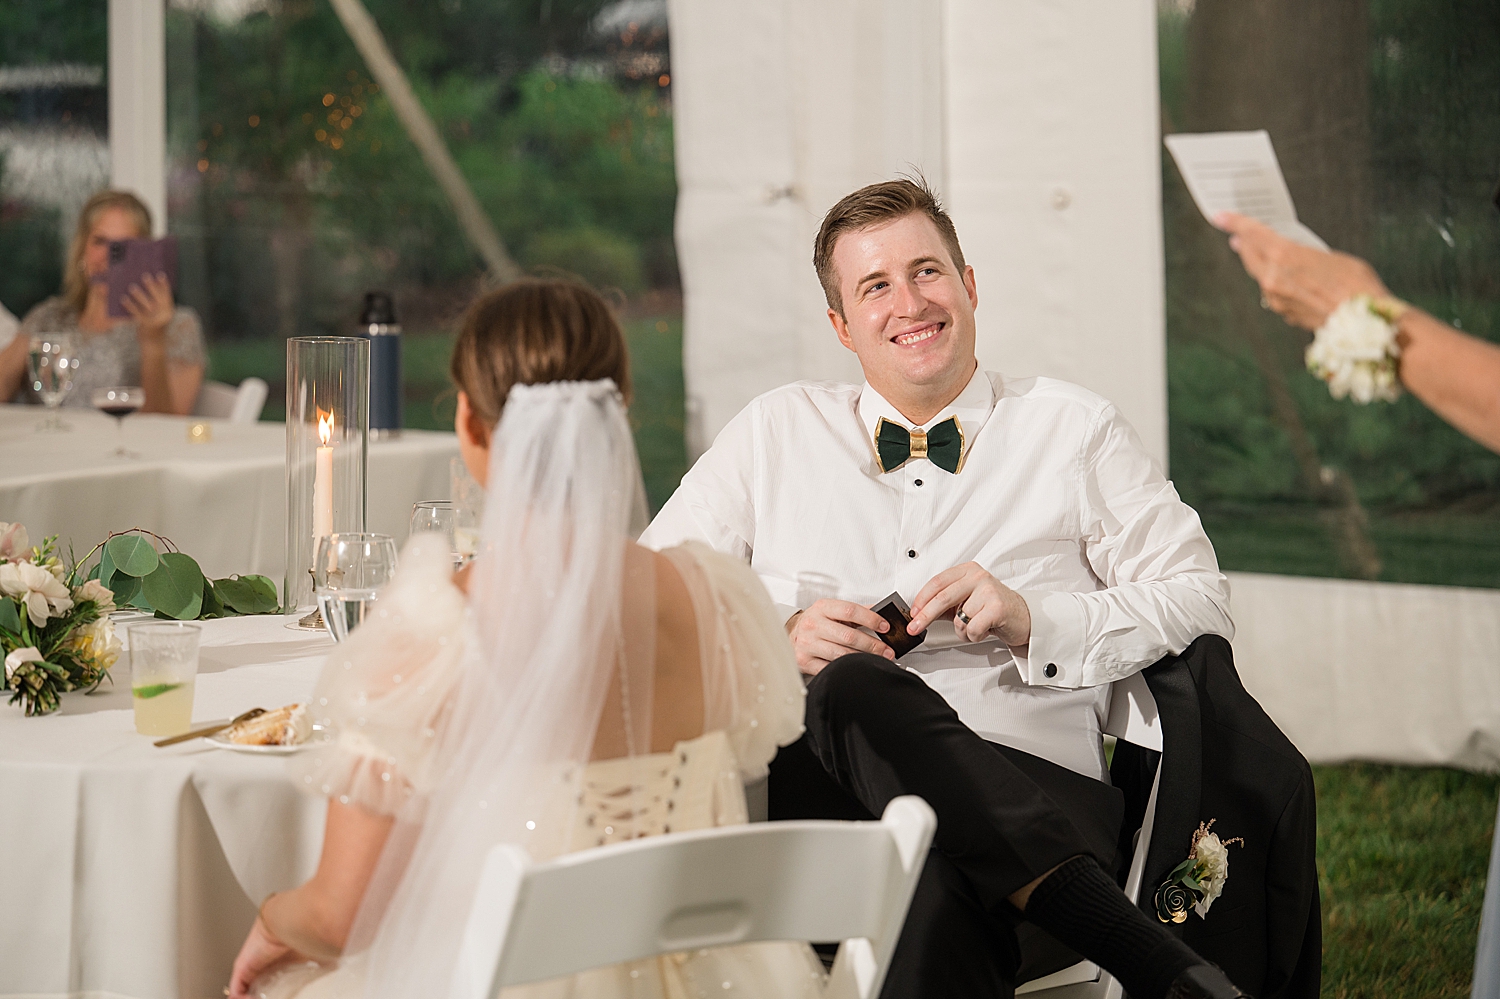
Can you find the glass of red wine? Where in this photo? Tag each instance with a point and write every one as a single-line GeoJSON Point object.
{"type": "Point", "coordinates": [120, 401]}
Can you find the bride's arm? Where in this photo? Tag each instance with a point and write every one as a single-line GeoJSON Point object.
{"type": "Point", "coordinates": [314, 919]}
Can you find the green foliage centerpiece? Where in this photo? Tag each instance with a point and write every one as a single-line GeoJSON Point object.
{"type": "Point", "coordinates": [55, 628]}
{"type": "Point", "coordinates": [170, 584]}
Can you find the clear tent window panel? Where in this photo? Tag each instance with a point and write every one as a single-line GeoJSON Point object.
{"type": "Point", "coordinates": [1385, 115]}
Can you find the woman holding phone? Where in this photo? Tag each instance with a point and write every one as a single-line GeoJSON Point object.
{"type": "Point", "coordinates": [159, 347]}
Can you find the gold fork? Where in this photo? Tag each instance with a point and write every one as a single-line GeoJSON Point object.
{"type": "Point", "coordinates": [211, 729]}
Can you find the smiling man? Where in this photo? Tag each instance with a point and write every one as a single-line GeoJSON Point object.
{"type": "Point", "coordinates": [1042, 547]}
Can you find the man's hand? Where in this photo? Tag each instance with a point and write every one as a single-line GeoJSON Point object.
{"type": "Point", "coordinates": [1299, 283]}
{"type": "Point", "coordinates": [991, 607]}
{"type": "Point", "coordinates": [828, 629]}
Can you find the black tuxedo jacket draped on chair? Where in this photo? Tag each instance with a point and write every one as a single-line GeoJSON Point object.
{"type": "Point", "coordinates": [1223, 758]}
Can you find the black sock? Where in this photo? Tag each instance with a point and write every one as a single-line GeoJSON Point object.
{"type": "Point", "coordinates": [1082, 906]}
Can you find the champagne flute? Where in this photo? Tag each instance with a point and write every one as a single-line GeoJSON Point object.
{"type": "Point", "coordinates": [51, 361]}
{"type": "Point", "coordinates": [120, 401]}
{"type": "Point", "coordinates": [349, 569]}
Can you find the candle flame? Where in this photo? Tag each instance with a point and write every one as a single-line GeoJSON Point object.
{"type": "Point", "coordinates": [325, 427]}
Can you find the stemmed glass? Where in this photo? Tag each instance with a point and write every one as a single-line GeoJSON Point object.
{"type": "Point", "coordinates": [348, 571]}
{"type": "Point", "coordinates": [468, 507]}
{"type": "Point", "coordinates": [120, 401]}
{"type": "Point", "coordinates": [452, 521]}
{"type": "Point", "coordinates": [51, 362]}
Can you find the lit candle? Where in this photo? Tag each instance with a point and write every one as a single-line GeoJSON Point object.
{"type": "Point", "coordinates": [323, 479]}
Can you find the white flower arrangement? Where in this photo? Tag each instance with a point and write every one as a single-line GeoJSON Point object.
{"type": "Point", "coordinates": [1355, 350]}
{"type": "Point", "coordinates": [56, 636]}
{"type": "Point", "coordinates": [1199, 880]}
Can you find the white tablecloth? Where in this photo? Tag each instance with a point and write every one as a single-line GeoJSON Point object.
{"type": "Point", "coordinates": [127, 870]}
{"type": "Point", "coordinates": [223, 502]}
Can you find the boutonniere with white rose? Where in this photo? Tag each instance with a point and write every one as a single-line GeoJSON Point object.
{"type": "Point", "coordinates": [1355, 350]}
{"type": "Point", "coordinates": [56, 636]}
{"type": "Point", "coordinates": [1197, 881]}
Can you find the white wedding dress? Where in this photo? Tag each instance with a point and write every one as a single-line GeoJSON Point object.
{"type": "Point", "coordinates": [390, 690]}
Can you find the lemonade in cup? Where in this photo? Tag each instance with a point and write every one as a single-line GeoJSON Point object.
{"type": "Point", "coordinates": [163, 666]}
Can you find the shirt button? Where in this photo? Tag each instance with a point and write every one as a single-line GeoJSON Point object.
{"type": "Point", "coordinates": [1051, 670]}
{"type": "Point", "coordinates": [911, 553]}
{"type": "Point", "coordinates": [919, 482]}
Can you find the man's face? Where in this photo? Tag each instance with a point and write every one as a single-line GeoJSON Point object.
{"type": "Point", "coordinates": [908, 311]}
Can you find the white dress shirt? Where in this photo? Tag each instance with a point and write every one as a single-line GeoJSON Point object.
{"type": "Point", "coordinates": [1056, 499]}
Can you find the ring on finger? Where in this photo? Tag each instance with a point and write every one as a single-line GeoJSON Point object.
{"type": "Point", "coordinates": [961, 617]}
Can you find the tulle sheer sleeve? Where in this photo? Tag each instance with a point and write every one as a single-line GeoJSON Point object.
{"type": "Point", "coordinates": [751, 688]}
{"type": "Point", "coordinates": [385, 691]}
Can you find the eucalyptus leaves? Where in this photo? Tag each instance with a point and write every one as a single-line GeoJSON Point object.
{"type": "Point", "coordinates": [171, 584]}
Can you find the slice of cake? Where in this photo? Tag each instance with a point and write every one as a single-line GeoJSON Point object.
{"type": "Point", "coordinates": [288, 726]}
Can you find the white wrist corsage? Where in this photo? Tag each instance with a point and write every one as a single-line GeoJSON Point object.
{"type": "Point", "coordinates": [1355, 350]}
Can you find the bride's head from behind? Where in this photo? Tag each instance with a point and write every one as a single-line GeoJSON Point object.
{"type": "Point", "coordinates": [530, 332]}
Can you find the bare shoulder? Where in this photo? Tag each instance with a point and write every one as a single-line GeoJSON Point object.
{"type": "Point", "coordinates": [671, 589]}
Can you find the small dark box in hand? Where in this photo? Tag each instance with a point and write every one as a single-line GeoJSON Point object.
{"type": "Point", "coordinates": [898, 614]}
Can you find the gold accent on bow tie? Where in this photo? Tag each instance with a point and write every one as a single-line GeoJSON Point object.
{"type": "Point", "coordinates": [943, 445]}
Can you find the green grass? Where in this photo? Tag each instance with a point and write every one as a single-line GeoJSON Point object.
{"type": "Point", "coordinates": [1402, 857]}
{"type": "Point", "coordinates": [656, 368]}
{"type": "Point", "coordinates": [1439, 548]}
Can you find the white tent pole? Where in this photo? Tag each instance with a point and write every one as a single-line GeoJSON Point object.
{"type": "Point", "coordinates": [138, 103]}
{"type": "Point", "coordinates": [420, 129]}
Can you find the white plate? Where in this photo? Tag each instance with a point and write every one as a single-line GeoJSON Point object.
{"type": "Point", "coordinates": [218, 741]}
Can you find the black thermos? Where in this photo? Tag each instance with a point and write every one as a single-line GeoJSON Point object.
{"type": "Point", "coordinates": [377, 322]}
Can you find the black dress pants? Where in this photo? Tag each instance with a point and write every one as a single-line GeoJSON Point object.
{"type": "Point", "coordinates": [1005, 817]}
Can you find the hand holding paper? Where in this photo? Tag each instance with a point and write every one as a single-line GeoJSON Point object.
{"type": "Point", "coordinates": [1238, 172]}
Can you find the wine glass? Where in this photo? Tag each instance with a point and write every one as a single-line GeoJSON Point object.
{"type": "Point", "coordinates": [120, 401]}
{"type": "Point", "coordinates": [348, 571]}
{"type": "Point", "coordinates": [51, 361]}
{"type": "Point", "coordinates": [453, 522]}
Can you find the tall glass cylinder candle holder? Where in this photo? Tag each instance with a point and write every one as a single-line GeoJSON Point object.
{"type": "Point", "coordinates": [327, 449]}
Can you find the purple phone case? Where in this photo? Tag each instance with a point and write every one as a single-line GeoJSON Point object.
{"type": "Point", "coordinates": [131, 260]}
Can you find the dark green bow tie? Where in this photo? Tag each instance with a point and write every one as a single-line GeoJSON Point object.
{"type": "Point", "coordinates": [943, 445]}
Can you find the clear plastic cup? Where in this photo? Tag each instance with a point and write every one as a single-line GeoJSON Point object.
{"type": "Point", "coordinates": [163, 668]}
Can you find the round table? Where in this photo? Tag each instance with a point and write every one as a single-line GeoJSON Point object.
{"type": "Point", "coordinates": [133, 871]}
{"type": "Point", "coordinates": [223, 501]}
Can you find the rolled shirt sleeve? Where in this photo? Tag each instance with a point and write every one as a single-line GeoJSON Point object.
{"type": "Point", "coordinates": [1162, 584]}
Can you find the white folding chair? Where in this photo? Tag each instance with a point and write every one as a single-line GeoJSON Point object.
{"type": "Point", "coordinates": [813, 880]}
{"type": "Point", "coordinates": [226, 402]}
{"type": "Point", "coordinates": [1132, 718]}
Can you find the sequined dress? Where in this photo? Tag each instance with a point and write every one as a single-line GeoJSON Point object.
{"type": "Point", "coordinates": [753, 702]}
{"type": "Point", "coordinates": [114, 356]}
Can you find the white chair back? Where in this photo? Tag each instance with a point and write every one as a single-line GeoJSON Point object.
{"type": "Point", "coordinates": [813, 880]}
{"type": "Point", "coordinates": [1132, 718]}
{"type": "Point", "coordinates": [226, 402]}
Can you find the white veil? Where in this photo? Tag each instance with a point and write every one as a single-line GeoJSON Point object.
{"type": "Point", "coordinates": [546, 639]}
